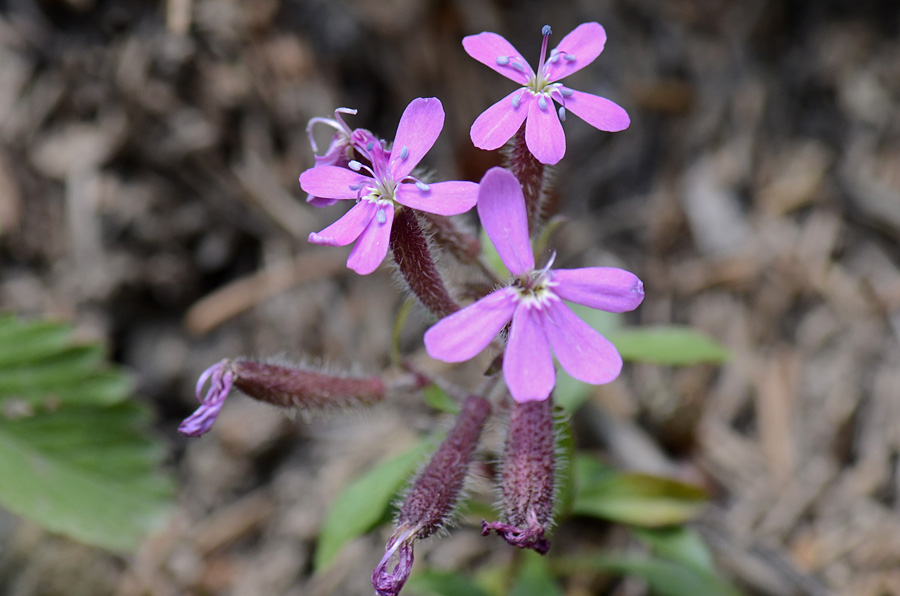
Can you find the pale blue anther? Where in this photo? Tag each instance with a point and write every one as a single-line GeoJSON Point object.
{"type": "Point", "coordinates": [516, 100]}
{"type": "Point", "coordinates": [545, 30]}
{"type": "Point", "coordinates": [542, 102]}
{"type": "Point", "coordinates": [370, 145]}
{"type": "Point", "coordinates": [562, 113]}
{"type": "Point", "coordinates": [354, 165]}
{"type": "Point", "coordinates": [570, 57]}
{"type": "Point", "coordinates": [404, 153]}
{"type": "Point", "coordinates": [380, 217]}
{"type": "Point", "coordinates": [356, 186]}
{"type": "Point", "coordinates": [518, 66]}
{"type": "Point", "coordinates": [566, 92]}
{"type": "Point", "coordinates": [502, 60]}
{"type": "Point", "coordinates": [422, 186]}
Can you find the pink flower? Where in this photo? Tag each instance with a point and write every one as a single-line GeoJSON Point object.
{"type": "Point", "coordinates": [541, 321]}
{"type": "Point", "coordinates": [532, 102]}
{"type": "Point", "coordinates": [385, 187]}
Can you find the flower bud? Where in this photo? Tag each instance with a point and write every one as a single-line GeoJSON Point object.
{"type": "Point", "coordinates": [279, 386]}
{"type": "Point", "coordinates": [528, 477]}
{"type": "Point", "coordinates": [416, 264]}
{"type": "Point", "coordinates": [432, 499]}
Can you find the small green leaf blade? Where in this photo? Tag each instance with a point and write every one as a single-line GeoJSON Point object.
{"type": "Point", "coordinates": [665, 578]}
{"type": "Point", "coordinates": [668, 345]}
{"type": "Point", "coordinates": [365, 502]}
{"type": "Point", "coordinates": [438, 399]}
{"type": "Point", "coordinates": [534, 577]}
{"type": "Point", "coordinates": [680, 544]}
{"type": "Point", "coordinates": [636, 499]}
{"type": "Point", "coordinates": [441, 583]}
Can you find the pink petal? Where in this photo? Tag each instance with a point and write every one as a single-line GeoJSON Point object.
{"type": "Point", "coordinates": [443, 198]}
{"type": "Point", "coordinates": [598, 111]}
{"type": "Point", "coordinates": [419, 127]}
{"type": "Point", "coordinates": [581, 350]}
{"type": "Point", "coordinates": [369, 251]}
{"type": "Point", "coordinates": [501, 209]}
{"type": "Point", "coordinates": [605, 288]}
{"type": "Point", "coordinates": [528, 363]}
{"type": "Point", "coordinates": [544, 133]}
{"type": "Point", "coordinates": [462, 335]}
{"type": "Point", "coordinates": [584, 43]}
{"type": "Point", "coordinates": [487, 47]}
{"type": "Point", "coordinates": [501, 121]}
{"type": "Point", "coordinates": [332, 182]}
{"type": "Point", "coordinates": [347, 228]}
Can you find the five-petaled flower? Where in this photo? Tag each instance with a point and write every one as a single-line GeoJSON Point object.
{"type": "Point", "coordinates": [386, 186]}
{"type": "Point", "coordinates": [534, 100]}
{"type": "Point", "coordinates": [534, 304]}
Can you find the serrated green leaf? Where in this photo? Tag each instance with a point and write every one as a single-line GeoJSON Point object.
{"type": "Point", "coordinates": [442, 583]}
{"type": "Point", "coordinates": [72, 454]}
{"type": "Point", "coordinates": [636, 499]}
{"type": "Point", "coordinates": [669, 345]}
{"type": "Point", "coordinates": [665, 578]}
{"type": "Point", "coordinates": [534, 577]}
{"type": "Point", "coordinates": [680, 544]}
{"type": "Point", "coordinates": [438, 399]}
{"type": "Point", "coordinates": [365, 501]}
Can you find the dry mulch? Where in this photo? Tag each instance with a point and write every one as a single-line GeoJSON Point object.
{"type": "Point", "coordinates": [148, 162]}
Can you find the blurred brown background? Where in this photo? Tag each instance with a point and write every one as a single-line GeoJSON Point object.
{"type": "Point", "coordinates": [149, 153]}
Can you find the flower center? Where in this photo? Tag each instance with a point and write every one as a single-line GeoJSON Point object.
{"type": "Point", "coordinates": [535, 288]}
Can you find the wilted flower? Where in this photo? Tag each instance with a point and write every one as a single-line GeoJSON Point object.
{"type": "Point", "coordinates": [432, 498]}
{"type": "Point", "coordinates": [534, 304]}
{"type": "Point", "coordinates": [385, 186]}
{"type": "Point", "coordinates": [533, 102]}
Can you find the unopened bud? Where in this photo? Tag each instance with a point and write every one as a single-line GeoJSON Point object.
{"type": "Point", "coordinates": [432, 498]}
{"type": "Point", "coordinates": [278, 385]}
{"type": "Point", "coordinates": [528, 483]}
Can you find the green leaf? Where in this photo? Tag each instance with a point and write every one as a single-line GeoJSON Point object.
{"type": "Point", "coordinates": [636, 499]}
{"type": "Point", "coordinates": [534, 577]}
{"type": "Point", "coordinates": [442, 583]}
{"type": "Point", "coordinates": [365, 502]}
{"type": "Point", "coordinates": [665, 578]}
{"type": "Point", "coordinates": [668, 345]}
{"type": "Point", "coordinates": [438, 399]}
{"type": "Point", "coordinates": [680, 544]}
{"type": "Point", "coordinates": [74, 456]}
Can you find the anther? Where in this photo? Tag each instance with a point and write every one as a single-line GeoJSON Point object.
{"type": "Point", "coordinates": [422, 186]}
{"type": "Point", "coordinates": [518, 66]}
{"type": "Point", "coordinates": [380, 217]}
{"type": "Point", "coordinates": [354, 165]}
{"type": "Point", "coordinates": [516, 100]}
{"type": "Point", "coordinates": [546, 31]}
{"type": "Point", "coordinates": [562, 114]}
{"type": "Point", "coordinates": [542, 102]}
{"type": "Point", "coordinates": [569, 57]}
{"type": "Point", "coordinates": [370, 145]}
{"type": "Point", "coordinates": [566, 92]}
{"type": "Point", "coordinates": [502, 60]}
{"type": "Point", "coordinates": [404, 153]}
{"type": "Point", "coordinates": [356, 186]}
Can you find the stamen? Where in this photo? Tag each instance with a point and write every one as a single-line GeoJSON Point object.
{"type": "Point", "coordinates": [370, 145]}
{"type": "Point", "coordinates": [518, 66]}
{"type": "Point", "coordinates": [422, 186]}
{"type": "Point", "coordinates": [380, 217]}
{"type": "Point", "coordinates": [354, 165]}
{"type": "Point", "coordinates": [516, 100]}
{"type": "Point", "coordinates": [542, 102]}
{"type": "Point", "coordinates": [570, 57]}
{"type": "Point", "coordinates": [356, 186]}
{"type": "Point", "coordinates": [404, 153]}
{"type": "Point", "coordinates": [546, 31]}
{"type": "Point", "coordinates": [502, 60]}
{"type": "Point", "coordinates": [562, 114]}
{"type": "Point", "coordinates": [566, 92]}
